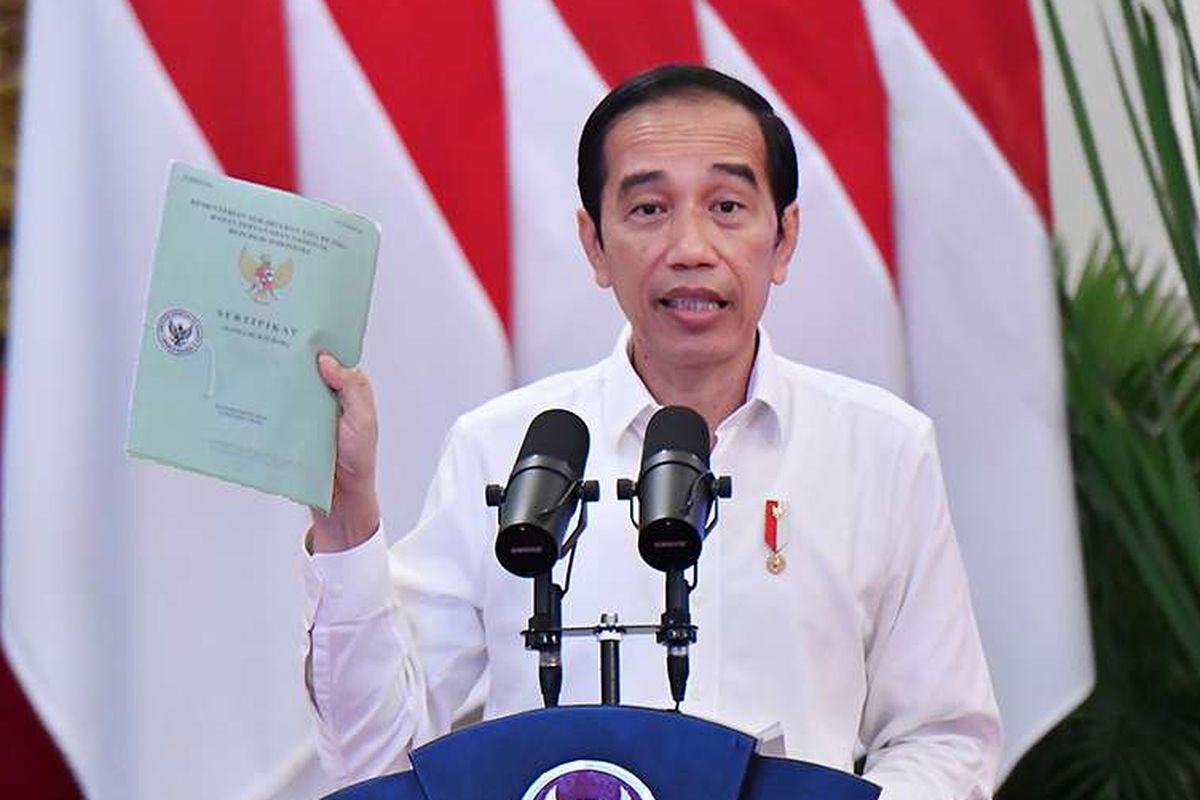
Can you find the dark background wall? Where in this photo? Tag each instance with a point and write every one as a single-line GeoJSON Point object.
{"type": "Point", "coordinates": [12, 28]}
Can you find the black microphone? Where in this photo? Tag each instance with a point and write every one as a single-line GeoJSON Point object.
{"type": "Point", "coordinates": [542, 492]}
{"type": "Point", "coordinates": [675, 491]}
{"type": "Point", "coordinates": [535, 508]}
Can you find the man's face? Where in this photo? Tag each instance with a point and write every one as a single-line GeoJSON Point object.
{"type": "Point", "coordinates": [690, 239]}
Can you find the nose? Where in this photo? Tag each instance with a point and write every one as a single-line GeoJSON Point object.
{"type": "Point", "coordinates": [691, 244]}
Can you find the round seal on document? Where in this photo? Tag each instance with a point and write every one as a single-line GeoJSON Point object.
{"type": "Point", "coordinates": [588, 780]}
{"type": "Point", "coordinates": [178, 331]}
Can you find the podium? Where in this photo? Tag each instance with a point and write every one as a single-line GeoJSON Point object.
{"type": "Point", "coordinates": [605, 753]}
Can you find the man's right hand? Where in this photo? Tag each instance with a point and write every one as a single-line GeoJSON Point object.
{"type": "Point", "coordinates": [354, 513]}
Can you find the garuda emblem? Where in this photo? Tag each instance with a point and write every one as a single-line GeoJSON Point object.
{"type": "Point", "coordinates": [179, 331]}
{"type": "Point", "coordinates": [265, 278]}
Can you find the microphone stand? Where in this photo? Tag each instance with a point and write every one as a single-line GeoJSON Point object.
{"type": "Point", "coordinates": [544, 635]}
{"type": "Point", "coordinates": [676, 632]}
{"type": "Point", "coordinates": [544, 631]}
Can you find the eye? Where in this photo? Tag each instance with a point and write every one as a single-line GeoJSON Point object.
{"type": "Point", "coordinates": [727, 207]}
{"type": "Point", "coordinates": [646, 210]}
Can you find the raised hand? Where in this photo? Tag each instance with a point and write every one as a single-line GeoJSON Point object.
{"type": "Point", "coordinates": [354, 513]}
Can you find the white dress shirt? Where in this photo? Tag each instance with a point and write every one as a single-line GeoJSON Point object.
{"type": "Point", "coordinates": [864, 643]}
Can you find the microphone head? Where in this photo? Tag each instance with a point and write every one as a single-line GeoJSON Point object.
{"type": "Point", "coordinates": [673, 496]}
{"type": "Point", "coordinates": [559, 434]}
{"type": "Point", "coordinates": [538, 501]}
{"type": "Point", "coordinates": [676, 428]}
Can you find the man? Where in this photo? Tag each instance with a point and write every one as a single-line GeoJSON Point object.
{"type": "Point", "coordinates": [861, 645]}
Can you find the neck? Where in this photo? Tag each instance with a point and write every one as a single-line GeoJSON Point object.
{"type": "Point", "coordinates": [713, 390]}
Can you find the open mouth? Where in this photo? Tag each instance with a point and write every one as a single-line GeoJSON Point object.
{"type": "Point", "coordinates": [692, 304]}
{"type": "Point", "coordinates": [693, 301]}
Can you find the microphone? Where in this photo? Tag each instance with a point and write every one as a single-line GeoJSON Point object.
{"type": "Point", "coordinates": [534, 509]}
{"type": "Point", "coordinates": [675, 491]}
{"type": "Point", "coordinates": [542, 491]}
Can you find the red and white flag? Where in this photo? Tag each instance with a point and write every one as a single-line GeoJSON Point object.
{"type": "Point", "coordinates": [154, 616]}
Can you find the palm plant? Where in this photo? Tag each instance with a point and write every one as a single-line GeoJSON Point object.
{"type": "Point", "coordinates": [1133, 393]}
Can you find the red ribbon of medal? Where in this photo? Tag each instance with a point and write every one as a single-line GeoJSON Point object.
{"type": "Point", "coordinates": [772, 512]}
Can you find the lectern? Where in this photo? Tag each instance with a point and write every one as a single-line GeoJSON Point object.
{"type": "Point", "coordinates": [605, 753]}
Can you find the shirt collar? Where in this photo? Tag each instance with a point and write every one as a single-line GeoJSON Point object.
{"type": "Point", "coordinates": [628, 404]}
{"type": "Point", "coordinates": [765, 397]}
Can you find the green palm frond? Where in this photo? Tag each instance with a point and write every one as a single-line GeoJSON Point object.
{"type": "Point", "coordinates": [1131, 358]}
{"type": "Point", "coordinates": [1131, 344]}
{"type": "Point", "coordinates": [1130, 352]}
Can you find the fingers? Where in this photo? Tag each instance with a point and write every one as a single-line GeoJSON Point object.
{"type": "Point", "coordinates": [352, 388]}
{"type": "Point", "coordinates": [354, 514]}
{"type": "Point", "coordinates": [332, 372]}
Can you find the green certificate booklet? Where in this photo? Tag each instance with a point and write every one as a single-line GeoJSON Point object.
{"type": "Point", "coordinates": [249, 284]}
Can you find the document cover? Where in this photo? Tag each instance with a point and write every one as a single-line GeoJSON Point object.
{"type": "Point", "coordinates": [249, 285]}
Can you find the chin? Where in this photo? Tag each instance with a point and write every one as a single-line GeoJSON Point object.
{"type": "Point", "coordinates": [698, 353]}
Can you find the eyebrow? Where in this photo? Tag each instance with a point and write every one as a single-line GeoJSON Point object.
{"type": "Point", "coordinates": [737, 170]}
{"type": "Point", "coordinates": [638, 178]}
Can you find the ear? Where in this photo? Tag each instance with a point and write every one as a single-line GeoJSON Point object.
{"type": "Point", "coordinates": [589, 238]}
{"type": "Point", "coordinates": [789, 231]}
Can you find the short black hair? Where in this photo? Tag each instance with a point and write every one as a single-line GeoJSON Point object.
{"type": "Point", "coordinates": [684, 80]}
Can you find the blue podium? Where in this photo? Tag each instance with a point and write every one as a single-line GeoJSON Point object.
{"type": "Point", "coordinates": [605, 753]}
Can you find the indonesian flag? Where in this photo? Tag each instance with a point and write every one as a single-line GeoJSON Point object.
{"type": "Point", "coordinates": [153, 616]}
